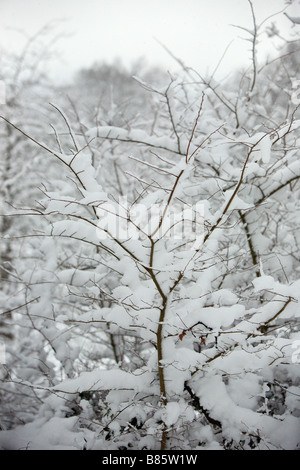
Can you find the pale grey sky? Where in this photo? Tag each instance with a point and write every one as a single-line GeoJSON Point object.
{"type": "Point", "coordinates": [197, 31]}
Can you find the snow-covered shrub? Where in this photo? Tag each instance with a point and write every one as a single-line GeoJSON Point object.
{"type": "Point", "coordinates": [153, 330]}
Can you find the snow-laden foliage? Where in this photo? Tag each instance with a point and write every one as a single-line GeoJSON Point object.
{"type": "Point", "coordinates": [157, 306]}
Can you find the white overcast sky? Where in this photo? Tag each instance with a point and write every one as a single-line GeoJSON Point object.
{"type": "Point", "coordinates": [197, 31]}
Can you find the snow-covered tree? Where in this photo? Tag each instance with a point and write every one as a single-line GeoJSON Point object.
{"type": "Point", "coordinates": [163, 300]}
